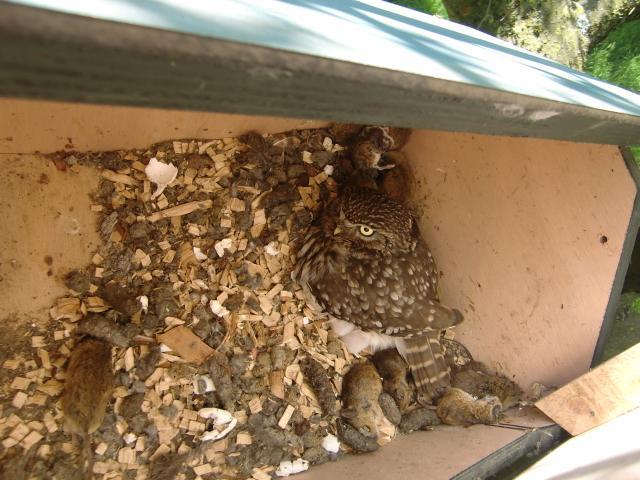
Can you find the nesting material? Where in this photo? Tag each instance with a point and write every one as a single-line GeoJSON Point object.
{"type": "Point", "coordinates": [222, 369]}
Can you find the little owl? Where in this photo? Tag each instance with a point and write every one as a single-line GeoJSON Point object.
{"type": "Point", "coordinates": [366, 265]}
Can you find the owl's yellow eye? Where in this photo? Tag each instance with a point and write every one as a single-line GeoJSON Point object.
{"type": "Point", "coordinates": [366, 231]}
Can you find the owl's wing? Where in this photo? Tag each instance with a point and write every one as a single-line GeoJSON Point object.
{"type": "Point", "coordinates": [395, 295]}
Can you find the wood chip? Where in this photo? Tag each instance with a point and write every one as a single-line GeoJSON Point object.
{"type": "Point", "coordinates": [12, 364]}
{"type": "Point", "coordinates": [260, 474]}
{"type": "Point", "coordinates": [127, 455]}
{"type": "Point", "coordinates": [276, 383]}
{"type": "Point", "coordinates": [30, 440]}
{"type": "Point", "coordinates": [129, 359]}
{"type": "Point", "coordinates": [187, 344]}
{"type": "Point", "coordinates": [19, 432]}
{"type": "Point", "coordinates": [203, 469]}
{"type": "Point", "coordinates": [119, 178]}
{"type": "Point", "coordinates": [286, 416]}
{"type": "Point", "coordinates": [255, 405]}
{"type": "Point", "coordinates": [236, 205]}
{"type": "Point", "coordinates": [20, 383]}
{"type": "Point", "coordinates": [180, 210]}
{"type": "Point", "coordinates": [243, 438]}
{"type": "Point", "coordinates": [19, 399]}
{"type": "Point", "coordinates": [101, 448]}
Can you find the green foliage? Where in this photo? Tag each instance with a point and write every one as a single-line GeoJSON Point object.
{"type": "Point", "coordinates": [635, 305]}
{"type": "Point", "coordinates": [434, 7]}
{"type": "Point", "coordinates": [617, 60]}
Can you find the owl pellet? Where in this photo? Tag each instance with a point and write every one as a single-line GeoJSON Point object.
{"type": "Point", "coordinates": [321, 385]}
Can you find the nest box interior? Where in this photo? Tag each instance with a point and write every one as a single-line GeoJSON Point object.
{"type": "Point", "coordinates": [527, 234]}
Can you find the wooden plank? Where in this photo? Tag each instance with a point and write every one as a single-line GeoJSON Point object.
{"type": "Point", "coordinates": [186, 344]}
{"type": "Point", "coordinates": [52, 56]}
{"type": "Point", "coordinates": [598, 396]}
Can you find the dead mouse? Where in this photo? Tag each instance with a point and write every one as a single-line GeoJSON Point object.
{"type": "Point", "coordinates": [394, 371]}
{"type": "Point", "coordinates": [361, 389]}
{"type": "Point", "coordinates": [458, 407]}
{"type": "Point", "coordinates": [87, 390]}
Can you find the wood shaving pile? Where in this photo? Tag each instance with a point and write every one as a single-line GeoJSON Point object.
{"type": "Point", "coordinates": [192, 289]}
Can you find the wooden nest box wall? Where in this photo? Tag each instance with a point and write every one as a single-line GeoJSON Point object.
{"type": "Point", "coordinates": [526, 197]}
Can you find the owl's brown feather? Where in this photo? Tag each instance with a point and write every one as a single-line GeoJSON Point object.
{"type": "Point", "coordinates": [426, 361]}
{"type": "Point", "coordinates": [383, 282]}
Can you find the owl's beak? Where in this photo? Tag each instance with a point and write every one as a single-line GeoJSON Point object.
{"type": "Point", "coordinates": [337, 231]}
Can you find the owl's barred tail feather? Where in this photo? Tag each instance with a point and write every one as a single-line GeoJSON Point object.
{"type": "Point", "coordinates": [427, 363]}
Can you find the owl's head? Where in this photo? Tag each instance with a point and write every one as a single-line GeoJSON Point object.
{"type": "Point", "coordinates": [367, 222]}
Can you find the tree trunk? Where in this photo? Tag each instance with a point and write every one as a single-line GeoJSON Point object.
{"type": "Point", "coordinates": [550, 28]}
{"type": "Point", "coordinates": [605, 15]}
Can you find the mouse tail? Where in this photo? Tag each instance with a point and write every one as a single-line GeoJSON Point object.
{"type": "Point", "coordinates": [88, 456]}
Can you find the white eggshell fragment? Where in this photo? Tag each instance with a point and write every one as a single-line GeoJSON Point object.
{"type": "Point", "coordinates": [144, 303]}
{"type": "Point", "coordinates": [272, 249]}
{"type": "Point", "coordinates": [223, 423]}
{"type": "Point", "coordinates": [161, 174]}
{"type": "Point", "coordinates": [199, 254]}
{"type": "Point", "coordinates": [331, 443]}
{"type": "Point", "coordinates": [287, 468]}
{"type": "Point", "coordinates": [217, 308]}
{"type": "Point", "coordinates": [223, 244]}
{"type": "Point", "coordinates": [203, 384]}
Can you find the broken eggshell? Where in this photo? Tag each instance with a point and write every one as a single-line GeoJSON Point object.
{"type": "Point", "coordinates": [161, 174]}
{"type": "Point", "coordinates": [199, 254]}
{"type": "Point", "coordinates": [331, 443]}
{"type": "Point", "coordinates": [223, 423]}
{"type": "Point", "coordinates": [223, 245]}
{"type": "Point", "coordinates": [287, 468]}
{"type": "Point", "coordinates": [217, 308]}
{"type": "Point", "coordinates": [144, 303]}
{"type": "Point", "coordinates": [203, 384]}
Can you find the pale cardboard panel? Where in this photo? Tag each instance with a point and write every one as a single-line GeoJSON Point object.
{"type": "Point", "coordinates": [517, 227]}
{"type": "Point", "coordinates": [36, 126]}
{"type": "Point", "coordinates": [49, 229]}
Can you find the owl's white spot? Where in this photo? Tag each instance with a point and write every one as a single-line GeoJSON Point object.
{"type": "Point", "coordinates": [431, 318]}
{"type": "Point", "coordinates": [380, 301]}
{"type": "Point", "coordinates": [379, 309]}
{"type": "Point", "coordinates": [394, 296]}
{"type": "Point", "coordinates": [433, 310]}
{"type": "Point", "coordinates": [378, 323]}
